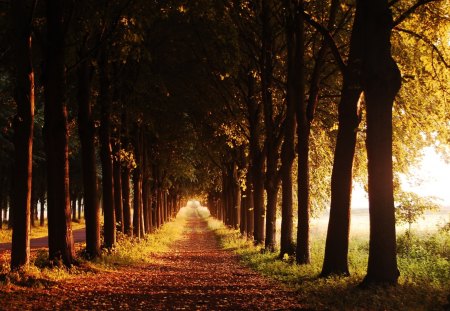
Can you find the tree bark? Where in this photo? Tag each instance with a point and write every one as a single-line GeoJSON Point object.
{"type": "Point", "coordinates": [137, 184]}
{"type": "Point", "coordinates": [381, 83]}
{"type": "Point", "coordinates": [86, 131]}
{"type": "Point", "coordinates": [106, 152]}
{"type": "Point", "coordinates": [336, 248]}
{"type": "Point", "coordinates": [23, 134]}
{"type": "Point", "coordinates": [118, 200]}
{"type": "Point", "coordinates": [60, 239]}
{"type": "Point", "coordinates": [272, 178]}
{"type": "Point", "coordinates": [256, 165]}
{"type": "Point", "coordinates": [288, 147]}
{"type": "Point", "coordinates": [303, 128]}
{"type": "Point", "coordinates": [126, 201]}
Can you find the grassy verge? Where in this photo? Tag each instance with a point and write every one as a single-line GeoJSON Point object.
{"type": "Point", "coordinates": [423, 285]}
{"type": "Point", "coordinates": [127, 252]}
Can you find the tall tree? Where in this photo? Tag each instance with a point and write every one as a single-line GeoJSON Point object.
{"type": "Point", "coordinates": [60, 237]}
{"type": "Point", "coordinates": [106, 150]}
{"type": "Point", "coordinates": [288, 147]}
{"type": "Point", "coordinates": [86, 130]}
{"type": "Point", "coordinates": [381, 82]}
{"type": "Point", "coordinates": [272, 142]}
{"type": "Point", "coordinates": [22, 14]}
{"type": "Point", "coordinates": [302, 249]}
{"type": "Point", "coordinates": [336, 248]}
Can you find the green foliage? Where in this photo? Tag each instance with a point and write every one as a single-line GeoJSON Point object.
{"type": "Point", "coordinates": [410, 207]}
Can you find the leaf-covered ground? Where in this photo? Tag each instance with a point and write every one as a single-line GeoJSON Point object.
{"type": "Point", "coordinates": [195, 275]}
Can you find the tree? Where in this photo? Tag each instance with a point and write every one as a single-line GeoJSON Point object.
{"type": "Point", "coordinates": [294, 89]}
{"type": "Point", "coordinates": [336, 249]}
{"type": "Point", "coordinates": [410, 207]}
{"type": "Point", "coordinates": [22, 12]}
{"type": "Point", "coordinates": [381, 82]}
{"type": "Point", "coordinates": [56, 136]}
{"type": "Point", "coordinates": [105, 102]}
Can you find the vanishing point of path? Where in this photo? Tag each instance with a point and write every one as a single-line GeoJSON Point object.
{"type": "Point", "coordinates": [195, 275]}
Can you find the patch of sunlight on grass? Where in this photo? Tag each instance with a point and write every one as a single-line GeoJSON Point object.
{"type": "Point", "coordinates": [423, 285]}
{"type": "Point", "coordinates": [129, 251]}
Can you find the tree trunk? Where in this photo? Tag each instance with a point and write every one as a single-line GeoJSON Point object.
{"type": "Point", "coordinates": [336, 249]}
{"type": "Point", "coordinates": [256, 165]}
{"type": "Point", "coordinates": [106, 153]}
{"type": "Point", "coordinates": [23, 134]}
{"type": "Point", "coordinates": [303, 128]}
{"type": "Point", "coordinates": [86, 131]}
{"type": "Point", "coordinates": [272, 179]}
{"type": "Point", "coordinates": [60, 239]}
{"type": "Point", "coordinates": [42, 213]}
{"type": "Point", "coordinates": [381, 82]}
{"type": "Point", "coordinates": [118, 200]}
{"type": "Point", "coordinates": [79, 207]}
{"type": "Point", "coordinates": [137, 184]}
{"type": "Point", "coordinates": [288, 147]}
{"type": "Point", "coordinates": [250, 205]}
{"type": "Point", "coordinates": [126, 201]}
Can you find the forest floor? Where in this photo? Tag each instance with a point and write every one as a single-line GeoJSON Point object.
{"type": "Point", "coordinates": [196, 274]}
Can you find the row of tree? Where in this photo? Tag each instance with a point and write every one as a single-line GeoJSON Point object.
{"type": "Point", "coordinates": [225, 99]}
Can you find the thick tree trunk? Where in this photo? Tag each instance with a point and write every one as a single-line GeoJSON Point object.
{"type": "Point", "coordinates": [381, 82]}
{"type": "Point", "coordinates": [23, 134]}
{"type": "Point", "coordinates": [336, 249]}
{"type": "Point", "coordinates": [86, 131]}
{"type": "Point", "coordinates": [106, 153]}
{"type": "Point", "coordinates": [60, 239]}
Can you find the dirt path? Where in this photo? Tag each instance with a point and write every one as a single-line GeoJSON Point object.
{"type": "Point", "coordinates": [195, 275]}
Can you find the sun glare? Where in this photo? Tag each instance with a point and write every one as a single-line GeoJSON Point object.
{"type": "Point", "coordinates": [430, 178]}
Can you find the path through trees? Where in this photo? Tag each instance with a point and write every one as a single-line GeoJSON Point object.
{"type": "Point", "coordinates": [194, 275]}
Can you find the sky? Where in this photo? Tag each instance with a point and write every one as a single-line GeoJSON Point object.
{"type": "Point", "coordinates": [431, 177]}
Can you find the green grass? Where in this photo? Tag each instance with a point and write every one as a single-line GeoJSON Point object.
{"type": "Point", "coordinates": [423, 285]}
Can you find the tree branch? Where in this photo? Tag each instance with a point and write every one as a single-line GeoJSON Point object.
{"type": "Point", "coordinates": [409, 11]}
{"type": "Point", "coordinates": [328, 38]}
{"type": "Point", "coordinates": [427, 41]}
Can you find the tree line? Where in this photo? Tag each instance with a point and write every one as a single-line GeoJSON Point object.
{"type": "Point", "coordinates": [141, 104]}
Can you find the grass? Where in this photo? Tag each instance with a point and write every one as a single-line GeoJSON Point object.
{"type": "Point", "coordinates": [127, 252]}
{"type": "Point", "coordinates": [423, 285]}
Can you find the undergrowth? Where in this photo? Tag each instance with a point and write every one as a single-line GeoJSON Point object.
{"type": "Point", "coordinates": [423, 285]}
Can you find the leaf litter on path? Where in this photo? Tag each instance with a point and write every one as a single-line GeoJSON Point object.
{"type": "Point", "coordinates": [195, 275]}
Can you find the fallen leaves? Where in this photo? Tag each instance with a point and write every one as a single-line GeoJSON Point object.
{"type": "Point", "coordinates": [195, 275]}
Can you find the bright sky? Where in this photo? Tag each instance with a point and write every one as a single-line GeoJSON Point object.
{"type": "Point", "coordinates": [430, 178]}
